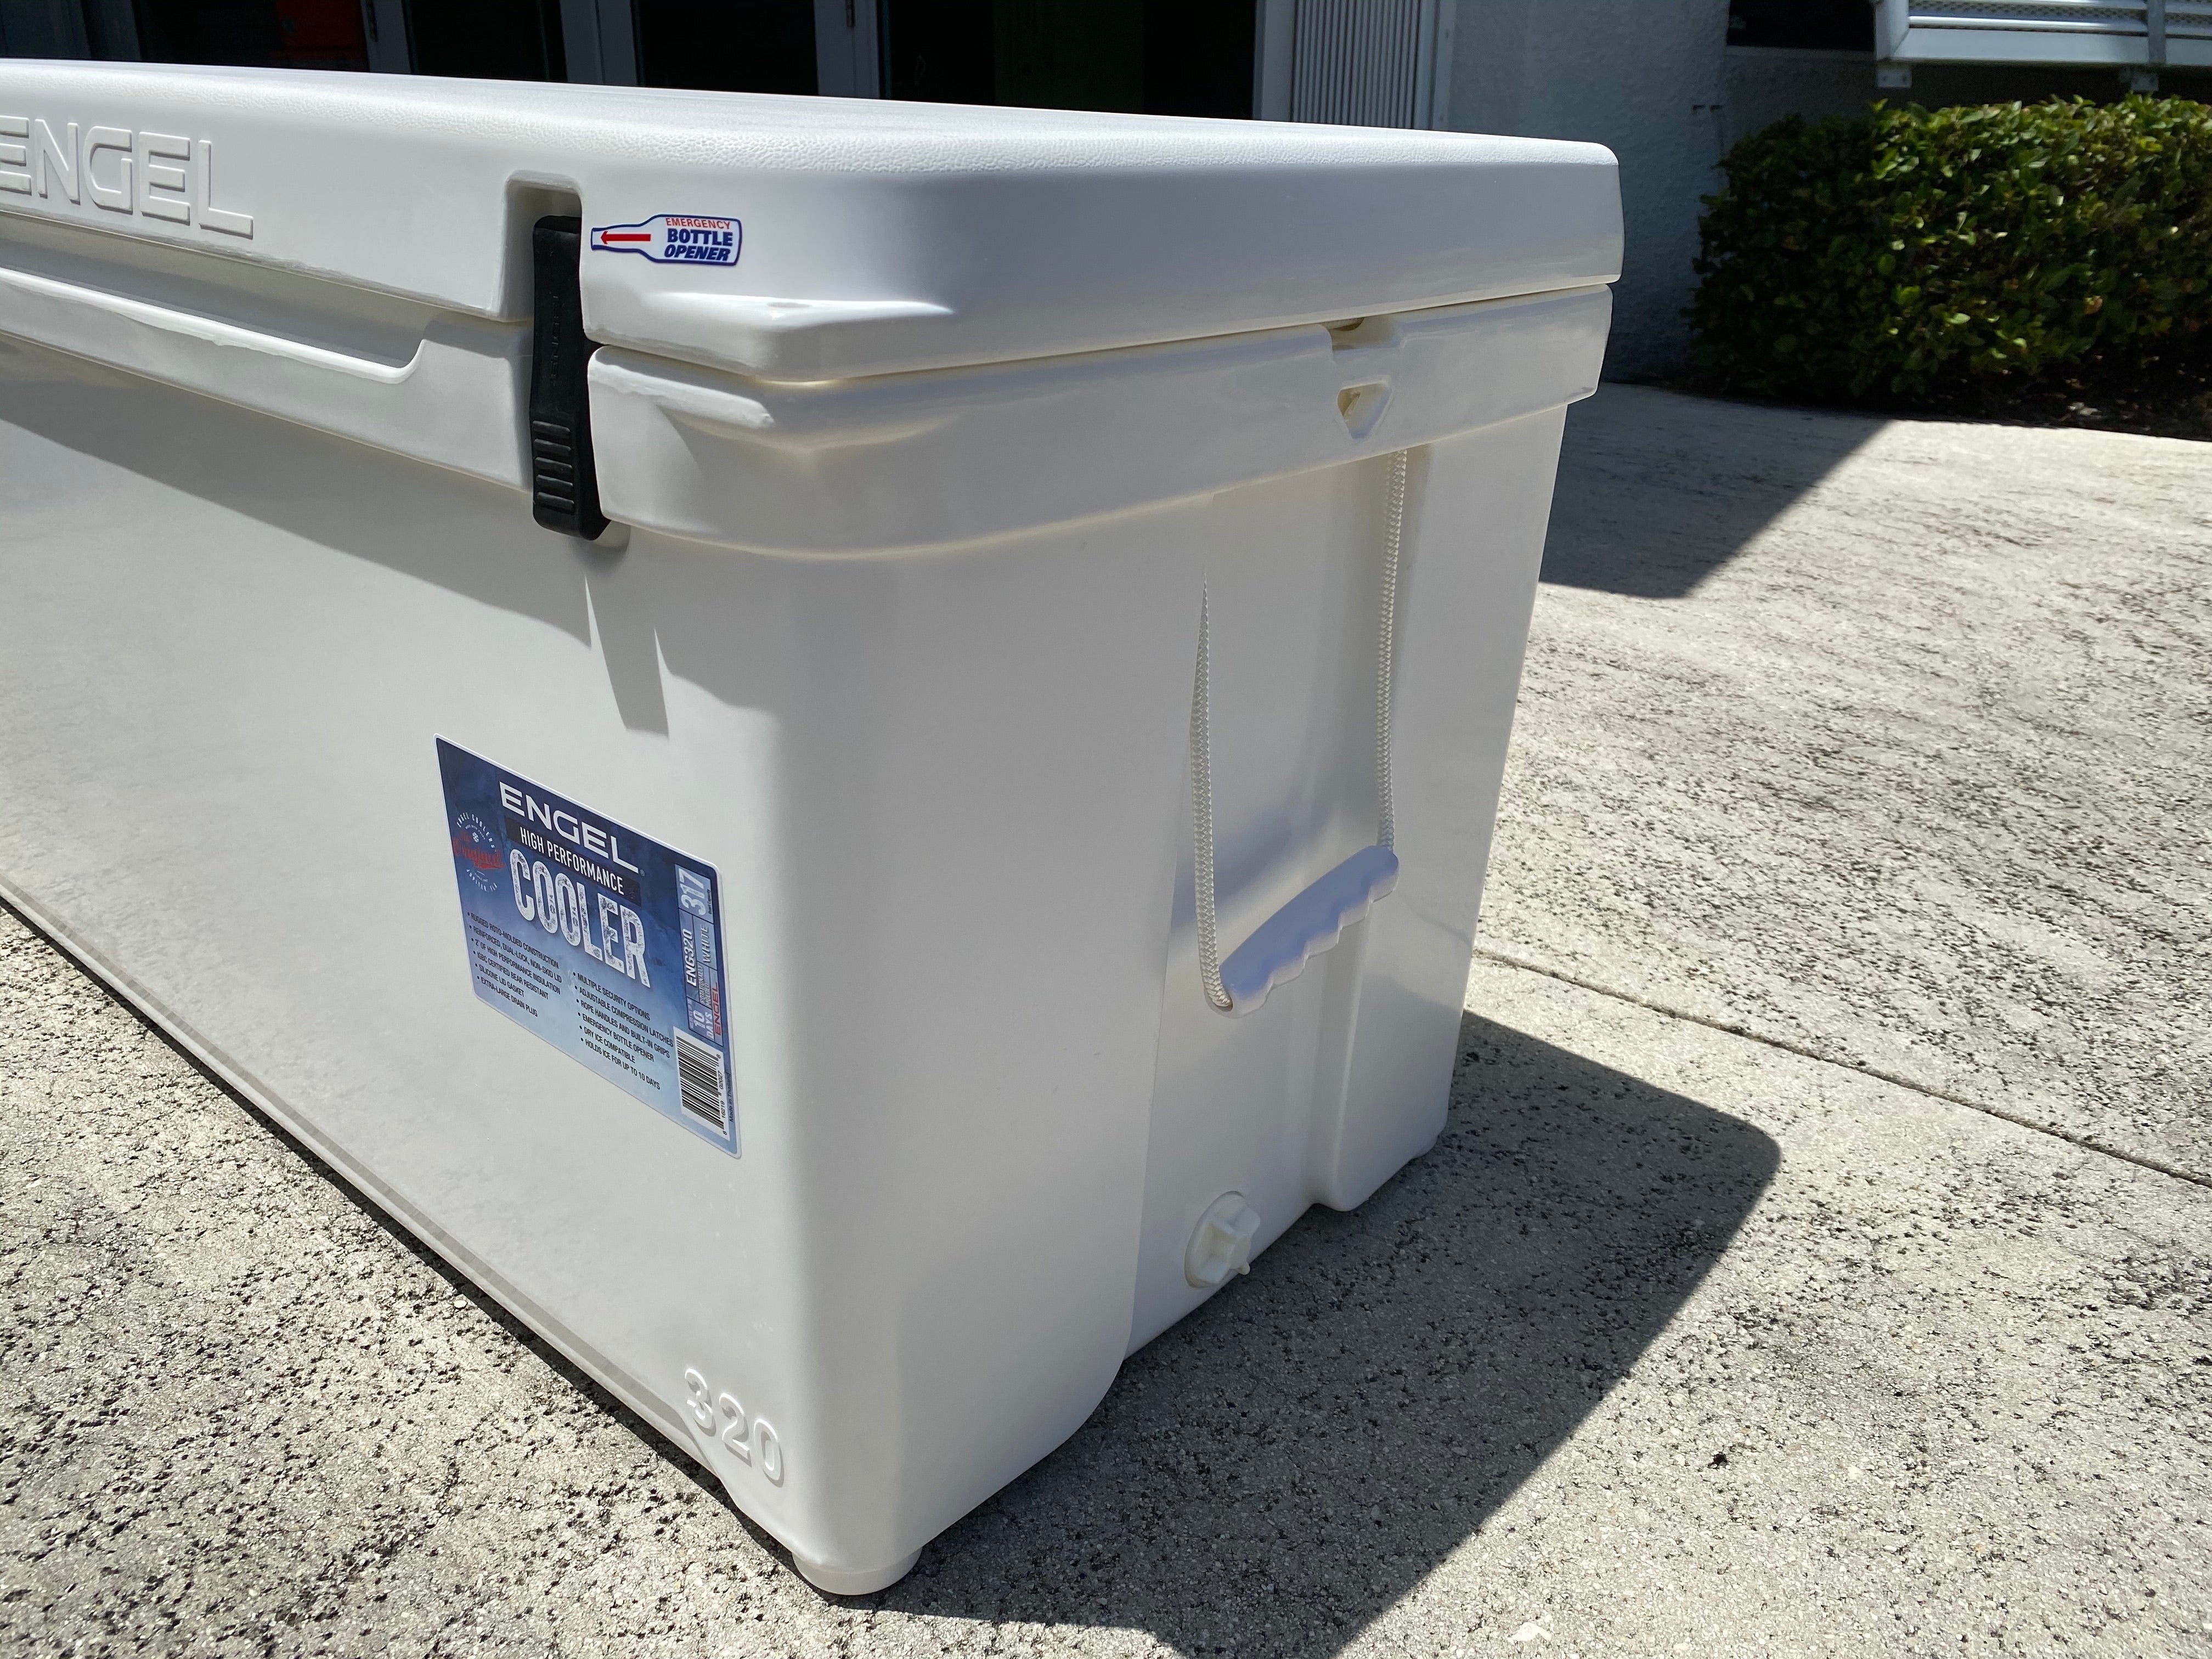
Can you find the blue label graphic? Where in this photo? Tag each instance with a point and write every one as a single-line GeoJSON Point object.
{"type": "Point", "coordinates": [674, 238]}
{"type": "Point", "coordinates": [604, 943]}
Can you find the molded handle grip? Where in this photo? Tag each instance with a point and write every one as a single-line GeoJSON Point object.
{"type": "Point", "coordinates": [1309, 924]}
{"type": "Point", "coordinates": [1315, 919]}
{"type": "Point", "coordinates": [451, 403]}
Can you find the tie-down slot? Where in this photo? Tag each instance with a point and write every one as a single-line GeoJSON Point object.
{"type": "Point", "coordinates": [1366, 353]}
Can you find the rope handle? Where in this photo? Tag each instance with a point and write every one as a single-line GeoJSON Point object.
{"type": "Point", "coordinates": [1313, 920]}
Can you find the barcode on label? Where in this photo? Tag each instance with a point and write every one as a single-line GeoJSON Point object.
{"type": "Point", "coordinates": [699, 1079]}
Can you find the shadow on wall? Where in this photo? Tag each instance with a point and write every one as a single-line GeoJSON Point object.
{"type": "Point", "coordinates": [1277, 1471]}
{"type": "Point", "coordinates": [1658, 489]}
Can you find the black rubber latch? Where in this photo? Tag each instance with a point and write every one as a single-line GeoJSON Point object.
{"type": "Point", "coordinates": [564, 484]}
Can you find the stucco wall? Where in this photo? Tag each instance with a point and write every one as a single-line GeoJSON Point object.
{"type": "Point", "coordinates": [1644, 79]}
{"type": "Point", "coordinates": [1655, 81]}
{"type": "Point", "coordinates": [1760, 88]}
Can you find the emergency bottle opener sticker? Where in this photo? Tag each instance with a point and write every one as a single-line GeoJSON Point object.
{"type": "Point", "coordinates": [674, 238]}
{"type": "Point", "coordinates": [604, 943]}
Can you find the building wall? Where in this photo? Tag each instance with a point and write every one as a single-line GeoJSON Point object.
{"type": "Point", "coordinates": [1645, 80]}
{"type": "Point", "coordinates": [1761, 86]}
{"type": "Point", "coordinates": [1657, 81]}
{"type": "Point", "coordinates": [1758, 86]}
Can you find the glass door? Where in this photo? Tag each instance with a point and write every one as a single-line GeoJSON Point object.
{"type": "Point", "coordinates": [1147, 56]}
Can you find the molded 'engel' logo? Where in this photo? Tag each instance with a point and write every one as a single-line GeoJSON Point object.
{"type": "Point", "coordinates": [152, 175]}
{"type": "Point", "coordinates": [674, 238]}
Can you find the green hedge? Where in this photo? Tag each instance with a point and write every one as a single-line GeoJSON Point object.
{"type": "Point", "coordinates": [1927, 255]}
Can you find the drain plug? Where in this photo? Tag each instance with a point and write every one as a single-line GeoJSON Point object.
{"type": "Point", "coordinates": [1223, 1243]}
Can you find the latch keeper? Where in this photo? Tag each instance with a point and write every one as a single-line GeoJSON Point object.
{"type": "Point", "coordinates": [564, 481]}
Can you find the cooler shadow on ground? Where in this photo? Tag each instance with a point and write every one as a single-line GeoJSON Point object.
{"type": "Point", "coordinates": [1277, 1471]}
{"type": "Point", "coordinates": [1659, 489]}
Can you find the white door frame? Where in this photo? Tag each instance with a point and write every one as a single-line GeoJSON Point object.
{"type": "Point", "coordinates": [847, 61]}
{"type": "Point", "coordinates": [1275, 59]}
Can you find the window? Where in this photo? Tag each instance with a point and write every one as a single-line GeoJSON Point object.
{"type": "Point", "coordinates": [492, 39]}
{"type": "Point", "coordinates": [278, 33]}
{"type": "Point", "coordinates": [1817, 25]}
{"type": "Point", "coordinates": [726, 46]}
{"type": "Point", "coordinates": [489, 39]}
{"type": "Point", "coordinates": [1149, 57]}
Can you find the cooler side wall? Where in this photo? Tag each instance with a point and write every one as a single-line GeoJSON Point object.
{"type": "Point", "coordinates": [1470, 585]}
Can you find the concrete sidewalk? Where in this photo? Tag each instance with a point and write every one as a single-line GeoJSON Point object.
{"type": "Point", "coordinates": [1679, 1341]}
{"type": "Point", "coordinates": [1890, 739]}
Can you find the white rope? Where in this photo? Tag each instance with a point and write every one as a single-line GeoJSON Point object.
{"type": "Point", "coordinates": [1201, 756]}
{"type": "Point", "coordinates": [1386, 651]}
{"type": "Point", "coordinates": [1202, 795]}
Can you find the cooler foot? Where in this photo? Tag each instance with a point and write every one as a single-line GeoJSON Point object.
{"type": "Point", "coordinates": [847, 1581]}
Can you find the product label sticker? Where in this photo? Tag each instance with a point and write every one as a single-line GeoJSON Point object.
{"type": "Point", "coordinates": [601, 940]}
{"type": "Point", "coordinates": [674, 238]}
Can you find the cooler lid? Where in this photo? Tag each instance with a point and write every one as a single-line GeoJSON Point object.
{"type": "Point", "coordinates": [807, 237]}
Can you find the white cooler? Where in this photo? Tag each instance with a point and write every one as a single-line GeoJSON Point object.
{"type": "Point", "coordinates": [852, 853]}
